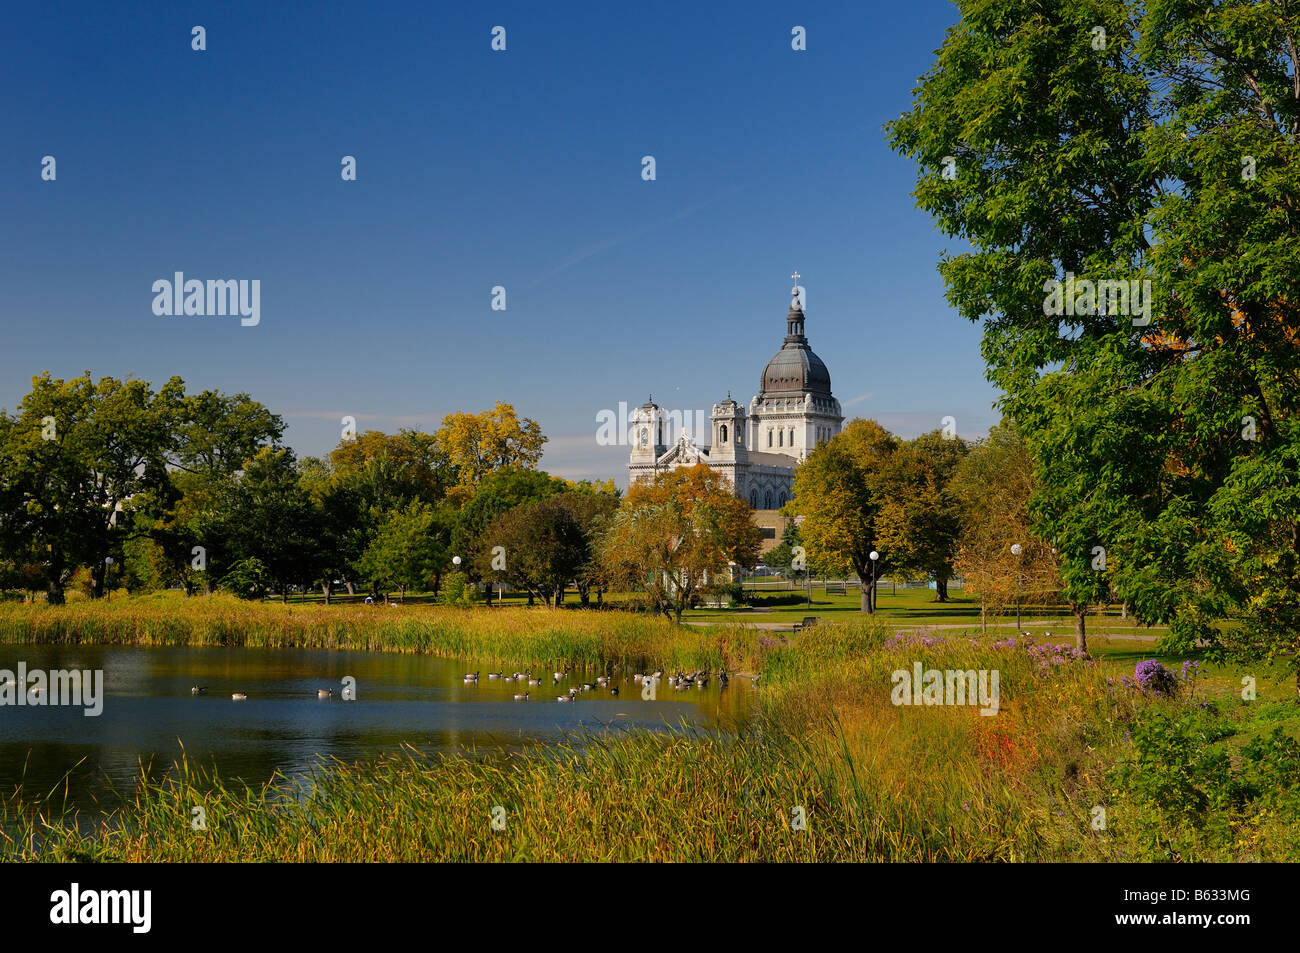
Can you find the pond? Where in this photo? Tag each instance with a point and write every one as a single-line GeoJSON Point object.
{"type": "Point", "coordinates": [149, 713]}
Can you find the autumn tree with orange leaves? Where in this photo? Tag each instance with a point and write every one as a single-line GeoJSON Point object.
{"type": "Point", "coordinates": [672, 539]}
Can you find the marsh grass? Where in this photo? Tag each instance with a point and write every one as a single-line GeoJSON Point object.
{"type": "Point", "coordinates": [876, 781]}
{"type": "Point", "coordinates": [518, 635]}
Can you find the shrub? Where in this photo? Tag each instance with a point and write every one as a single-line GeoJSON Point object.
{"type": "Point", "coordinates": [1153, 677]}
{"type": "Point", "coordinates": [247, 579]}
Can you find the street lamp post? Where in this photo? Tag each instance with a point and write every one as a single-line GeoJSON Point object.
{"type": "Point", "coordinates": [1016, 550]}
{"type": "Point", "coordinates": [871, 602]}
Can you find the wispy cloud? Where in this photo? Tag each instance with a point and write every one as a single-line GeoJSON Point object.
{"type": "Point", "coordinates": [595, 248]}
{"type": "Point", "coordinates": [857, 400]}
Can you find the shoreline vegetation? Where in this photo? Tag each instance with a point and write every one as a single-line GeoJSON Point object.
{"type": "Point", "coordinates": [587, 639]}
{"type": "Point", "coordinates": [828, 769]}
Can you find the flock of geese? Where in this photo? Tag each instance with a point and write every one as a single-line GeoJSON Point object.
{"type": "Point", "coordinates": [679, 682]}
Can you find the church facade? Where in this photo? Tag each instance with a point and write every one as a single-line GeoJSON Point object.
{"type": "Point", "coordinates": [757, 447]}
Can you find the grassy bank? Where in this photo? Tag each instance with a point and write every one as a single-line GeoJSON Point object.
{"type": "Point", "coordinates": [1199, 775]}
{"type": "Point", "coordinates": [516, 635]}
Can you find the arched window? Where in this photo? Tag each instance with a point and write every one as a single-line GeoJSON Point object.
{"type": "Point", "coordinates": [783, 499]}
{"type": "Point", "coordinates": [753, 498]}
{"type": "Point", "coordinates": [780, 439]}
{"type": "Point", "coordinates": [767, 500]}
{"type": "Point", "coordinates": [722, 432]}
{"type": "Point", "coordinates": [769, 436]}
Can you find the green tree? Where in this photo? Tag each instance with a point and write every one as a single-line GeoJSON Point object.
{"type": "Point", "coordinates": [497, 492]}
{"type": "Point", "coordinates": [410, 549]}
{"type": "Point", "coordinates": [537, 547]}
{"type": "Point", "coordinates": [78, 461]}
{"type": "Point", "coordinates": [266, 515]}
{"type": "Point", "coordinates": [837, 491]}
{"type": "Point", "coordinates": [919, 523]}
{"type": "Point", "coordinates": [1160, 155]}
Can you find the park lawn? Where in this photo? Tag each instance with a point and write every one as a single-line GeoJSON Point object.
{"type": "Point", "coordinates": [916, 607]}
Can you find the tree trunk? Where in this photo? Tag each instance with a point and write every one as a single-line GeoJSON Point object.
{"type": "Point", "coordinates": [984, 621]}
{"type": "Point", "coordinates": [97, 580]}
{"type": "Point", "coordinates": [54, 593]}
{"type": "Point", "coordinates": [1080, 628]}
{"type": "Point", "coordinates": [327, 588]}
{"type": "Point", "coordinates": [864, 595]}
{"type": "Point", "coordinates": [941, 588]}
{"type": "Point", "coordinates": [352, 589]}
{"type": "Point", "coordinates": [403, 590]}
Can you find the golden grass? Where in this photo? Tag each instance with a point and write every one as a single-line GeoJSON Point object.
{"type": "Point", "coordinates": [874, 781]}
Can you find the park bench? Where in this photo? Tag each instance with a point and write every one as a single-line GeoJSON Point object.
{"type": "Point", "coordinates": [807, 621]}
{"type": "Point", "coordinates": [835, 588]}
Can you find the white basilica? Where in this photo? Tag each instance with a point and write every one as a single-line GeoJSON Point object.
{"type": "Point", "coordinates": [757, 449]}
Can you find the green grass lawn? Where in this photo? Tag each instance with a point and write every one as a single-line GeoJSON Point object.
{"type": "Point", "coordinates": [917, 607]}
{"type": "Point", "coordinates": [911, 607]}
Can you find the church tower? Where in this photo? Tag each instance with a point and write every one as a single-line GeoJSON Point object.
{"type": "Point", "coordinates": [647, 426]}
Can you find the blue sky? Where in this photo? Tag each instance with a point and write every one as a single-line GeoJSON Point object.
{"type": "Point", "coordinates": [476, 169]}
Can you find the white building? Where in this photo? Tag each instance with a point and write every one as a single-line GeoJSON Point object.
{"type": "Point", "coordinates": [758, 447]}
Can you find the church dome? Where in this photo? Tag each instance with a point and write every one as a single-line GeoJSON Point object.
{"type": "Point", "coordinates": [795, 369]}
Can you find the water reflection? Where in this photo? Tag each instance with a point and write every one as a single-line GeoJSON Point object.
{"type": "Point", "coordinates": [149, 713]}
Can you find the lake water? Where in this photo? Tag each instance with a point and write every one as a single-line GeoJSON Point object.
{"type": "Point", "coordinates": [149, 713]}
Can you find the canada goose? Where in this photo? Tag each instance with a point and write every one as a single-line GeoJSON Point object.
{"type": "Point", "coordinates": [534, 681]}
{"type": "Point", "coordinates": [198, 689]}
{"type": "Point", "coordinates": [239, 696]}
{"type": "Point", "coordinates": [508, 678]}
{"type": "Point", "coordinates": [523, 697]}
{"type": "Point", "coordinates": [614, 691]}
{"type": "Point", "coordinates": [602, 680]}
{"type": "Point", "coordinates": [588, 687]}
{"type": "Point", "coordinates": [572, 692]}
{"type": "Point", "coordinates": [494, 675]}
{"type": "Point", "coordinates": [471, 677]}
{"type": "Point", "coordinates": [324, 692]}
{"type": "Point", "coordinates": [564, 698]}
